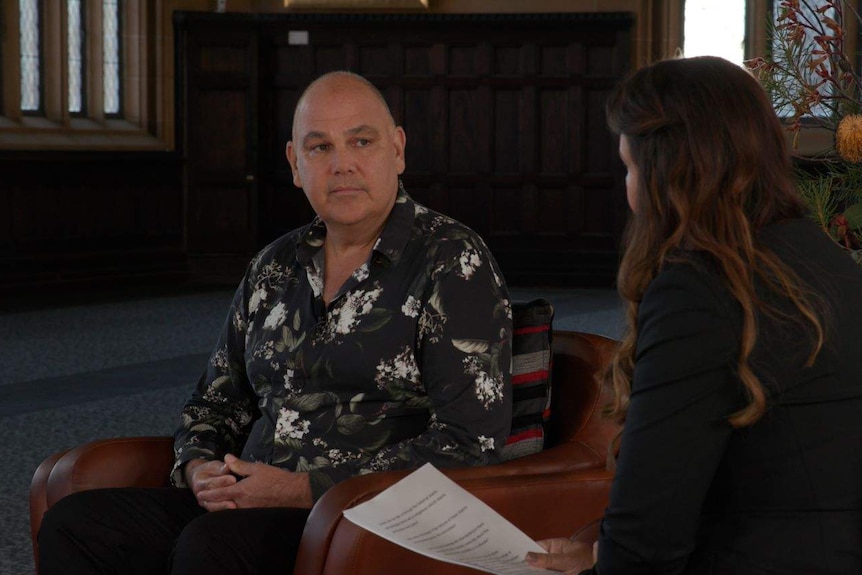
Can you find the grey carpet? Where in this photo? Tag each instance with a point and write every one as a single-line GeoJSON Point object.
{"type": "Point", "coordinates": [74, 374]}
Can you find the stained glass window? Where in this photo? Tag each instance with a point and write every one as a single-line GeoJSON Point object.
{"type": "Point", "coordinates": [75, 39]}
{"type": "Point", "coordinates": [111, 54]}
{"type": "Point", "coordinates": [31, 69]}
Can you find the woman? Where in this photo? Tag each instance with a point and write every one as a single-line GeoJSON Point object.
{"type": "Point", "coordinates": [740, 376]}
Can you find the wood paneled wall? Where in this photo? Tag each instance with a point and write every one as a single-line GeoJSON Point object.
{"type": "Point", "coordinates": [72, 221]}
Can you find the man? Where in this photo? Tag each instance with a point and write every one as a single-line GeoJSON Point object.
{"type": "Point", "coordinates": [377, 337]}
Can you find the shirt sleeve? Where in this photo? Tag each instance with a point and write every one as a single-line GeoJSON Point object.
{"type": "Point", "coordinates": [217, 417]}
{"type": "Point", "coordinates": [464, 356]}
{"type": "Point", "coordinates": [676, 430]}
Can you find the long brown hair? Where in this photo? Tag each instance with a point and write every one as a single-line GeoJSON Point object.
{"type": "Point", "coordinates": [713, 169]}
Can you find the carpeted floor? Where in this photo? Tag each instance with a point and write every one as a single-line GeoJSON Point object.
{"type": "Point", "coordinates": [122, 368]}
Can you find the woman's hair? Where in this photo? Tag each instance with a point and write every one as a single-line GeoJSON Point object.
{"type": "Point", "coordinates": [713, 170]}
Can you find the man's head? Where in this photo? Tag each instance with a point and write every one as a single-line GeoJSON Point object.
{"type": "Point", "coordinates": [346, 152]}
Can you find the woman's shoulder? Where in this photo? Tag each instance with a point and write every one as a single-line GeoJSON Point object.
{"type": "Point", "coordinates": [689, 286]}
{"type": "Point", "coordinates": [686, 274]}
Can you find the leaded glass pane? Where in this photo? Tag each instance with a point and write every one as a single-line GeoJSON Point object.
{"type": "Point", "coordinates": [111, 54]}
{"type": "Point", "coordinates": [30, 48]}
{"type": "Point", "coordinates": [76, 57]}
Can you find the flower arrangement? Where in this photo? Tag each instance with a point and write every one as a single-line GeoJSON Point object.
{"type": "Point", "coordinates": [812, 82]}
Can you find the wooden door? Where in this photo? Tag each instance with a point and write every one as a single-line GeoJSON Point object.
{"type": "Point", "coordinates": [219, 103]}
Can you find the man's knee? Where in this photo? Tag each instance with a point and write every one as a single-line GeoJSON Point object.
{"type": "Point", "coordinates": [207, 531]}
{"type": "Point", "coordinates": [208, 544]}
{"type": "Point", "coordinates": [66, 541]}
{"type": "Point", "coordinates": [68, 514]}
{"type": "Point", "coordinates": [240, 541]}
{"type": "Point", "coordinates": [126, 530]}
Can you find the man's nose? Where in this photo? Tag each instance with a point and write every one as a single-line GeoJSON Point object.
{"type": "Point", "coordinates": [343, 161]}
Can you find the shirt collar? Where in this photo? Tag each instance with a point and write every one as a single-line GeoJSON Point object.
{"type": "Point", "coordinates": [389, 246]}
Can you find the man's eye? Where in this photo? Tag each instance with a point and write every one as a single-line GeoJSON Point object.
{"type": "Point", "coordinates": [362, 142]}
{"type": "Point", "coordinates": [320, 148]}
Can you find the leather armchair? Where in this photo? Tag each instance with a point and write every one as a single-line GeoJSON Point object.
{"type": "Point", "coordinates": [549, 494]}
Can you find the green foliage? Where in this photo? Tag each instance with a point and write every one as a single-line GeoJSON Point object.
{"type": "Point", "coordinates": [854, 216]}
{"type": "Point", "coordinates": [834, 198]}
{"type": "Point", "coordinates": [817, 191]}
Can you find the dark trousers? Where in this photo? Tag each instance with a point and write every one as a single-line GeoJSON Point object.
{"type": "Point", "coordinates": [160, 531]}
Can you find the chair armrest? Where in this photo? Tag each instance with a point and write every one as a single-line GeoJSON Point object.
{"type": "Point", "coordinates": [573, 455]}
{"type": "Point", "coordinates": [544, 505]}
{"type": "Point", "coordinates": [120, 462]}
{"type": "Point", "coordinates": [580, 392]}
{"type": "Point", "coordinates": [39, 498]}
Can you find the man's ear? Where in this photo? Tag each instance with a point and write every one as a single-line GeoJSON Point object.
{"type": "Point", "coordinates": [399, 139]}
{"type": "Point", "coordinates": [290, 153]}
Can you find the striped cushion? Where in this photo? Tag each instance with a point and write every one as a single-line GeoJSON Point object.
{"type": "Point", "coordinates": [531, 377]}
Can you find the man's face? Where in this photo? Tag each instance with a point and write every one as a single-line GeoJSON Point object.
{"type": "Point", "coordinates": [346, 153]}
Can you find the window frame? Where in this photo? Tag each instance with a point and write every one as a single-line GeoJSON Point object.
{"type": "Point", "coordinates": [58, 129]}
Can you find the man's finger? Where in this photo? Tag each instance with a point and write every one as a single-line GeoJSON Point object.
{"type": "Point", "coordinates": [217, 495]}
{"type": "Point", "coordinates": [238, 466]}
{"type": "Point", "coordinates": [220, 506]}
{"type": "Point", "coordinates": [211, 483]}
{"type": "Point", "coordinates": [220, 481]}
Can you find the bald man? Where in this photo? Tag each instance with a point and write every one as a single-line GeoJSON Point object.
{"type": "Point", "coordinates": [376, 337]}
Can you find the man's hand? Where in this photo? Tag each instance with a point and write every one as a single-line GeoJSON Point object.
{"type": "Point", "coordinates": [205, 476]}
{"type": "Point", "coordinates": [260, 485]}
{"type": "Point", "coordinates": [570, 557]}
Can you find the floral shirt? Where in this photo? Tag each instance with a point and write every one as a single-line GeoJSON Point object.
{"type": "Point", "coordinates": [409, 363]}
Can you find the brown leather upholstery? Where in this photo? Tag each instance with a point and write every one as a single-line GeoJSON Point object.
{"type": "Point", "coordinates": [542, 506]}
{"type": "Point", "coordinates": [548, 494]}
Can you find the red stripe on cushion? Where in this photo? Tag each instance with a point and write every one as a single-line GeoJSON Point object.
{"type": "Point", "coordinates": [546, 414]}
{"type": "Point", "coordinates": [528, 377]}
{"type": "Point", "coordinates": [528, 434]}
{"type": "Point", "coordinates": [536, 329]}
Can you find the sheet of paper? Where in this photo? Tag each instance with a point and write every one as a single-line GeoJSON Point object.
{"type": "Point", "coordinates": [430, 514]}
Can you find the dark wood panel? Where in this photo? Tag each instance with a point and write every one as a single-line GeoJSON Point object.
{"type": "Point", "coordinates": [220, 69]}
{"type": "Point", "coordinates": [89, 221]}
{"type": "Point", "coordinates": [417, 59]}
{"type": "Point", "coordinates": [221, 220]}
{"type": "Point", "coordinates": [554, 129]}
{"type": "Point", "coordinates": [508, 128]}
{"type": "Point", "coordinates": [468, 144]}
{"type": "Point", "coordinates": [221, 59]}
{"type": "Point", "coordinates": [420, 127]}
{"type": "Point", "coordinates": [219, 134]}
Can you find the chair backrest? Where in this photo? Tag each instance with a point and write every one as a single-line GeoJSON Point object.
{"type": "Point", "coordinates": [579, 392]}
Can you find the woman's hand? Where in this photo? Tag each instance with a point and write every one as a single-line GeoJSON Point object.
{"type": "Point", "coordinates": [565, 555]}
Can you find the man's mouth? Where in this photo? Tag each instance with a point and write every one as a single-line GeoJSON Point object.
{"type": "Point", "coordinates": [346, 190]}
